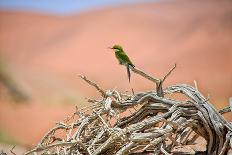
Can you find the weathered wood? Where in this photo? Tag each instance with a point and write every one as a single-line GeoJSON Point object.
{"type": "Point", "coordinates": [159, 125]}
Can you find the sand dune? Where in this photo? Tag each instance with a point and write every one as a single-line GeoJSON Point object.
{"type": "Point", "coordinates": [47, 53]}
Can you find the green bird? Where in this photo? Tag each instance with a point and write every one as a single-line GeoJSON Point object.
{"type": "Point", "coordinates": [123, 59]}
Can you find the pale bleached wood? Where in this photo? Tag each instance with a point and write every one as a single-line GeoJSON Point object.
{"type": "Point", "coordinates": [157, 124]}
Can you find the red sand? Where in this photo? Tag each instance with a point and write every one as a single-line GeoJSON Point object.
{"type": "Point", "coordinates": [46, 53]}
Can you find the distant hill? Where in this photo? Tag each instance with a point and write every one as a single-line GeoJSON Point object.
{"type": "Point", "coordinates": [46, 53]}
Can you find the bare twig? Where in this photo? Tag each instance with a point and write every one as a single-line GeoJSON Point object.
{"type": "Point", "coordinates": [158, 124]}
{"type": "Point", "coordinates": [143, 74]}
{"type": "Point", "coordinates": [11, 150]}
{"type": "Point", "coordinates": [39, 149]}
{"type": "Point", "coordinates": [225, 110]}
{"type": "Point", "coordinates": [195, 85]}
{"type": "Point", "coordinates": [164, 78]}
{"type": "Point", "coordinates": [93, 84]}
{"type": "Point", "coordinates": [164, 151]}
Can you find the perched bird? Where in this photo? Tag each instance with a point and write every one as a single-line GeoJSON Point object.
{"type": "Point", "coordinates": [123, 58]}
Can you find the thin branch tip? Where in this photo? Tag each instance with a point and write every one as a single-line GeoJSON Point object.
{"type": "Point", "coordinates": [93, 84]}
{"type": "Point", "coordinates": [169, 72]}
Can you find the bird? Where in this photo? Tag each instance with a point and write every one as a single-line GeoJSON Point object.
{"type": "Point", "coordinates": [123, 59]}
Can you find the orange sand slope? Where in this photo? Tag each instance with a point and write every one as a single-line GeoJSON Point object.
{"type": "Point", "coordinates": [46, 53]}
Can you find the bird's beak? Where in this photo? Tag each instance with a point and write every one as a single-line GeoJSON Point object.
{"type": "Point", "coordinates": [110, 47]}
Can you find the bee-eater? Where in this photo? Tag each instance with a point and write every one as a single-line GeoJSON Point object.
{"type": "Point", "coordinates": [123, 58]}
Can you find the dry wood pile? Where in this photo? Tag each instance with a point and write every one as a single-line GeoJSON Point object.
{"type": "Point", "coordinates": [174, 120]}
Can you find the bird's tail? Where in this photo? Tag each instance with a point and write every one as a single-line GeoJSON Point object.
{"type": "Point", "coordinates": [128, 71]}
{"type": "Point", "coordinates": [129, 75]}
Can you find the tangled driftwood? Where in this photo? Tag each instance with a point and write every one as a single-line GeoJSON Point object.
{"type": "Point", "coordinates": [175, 120]}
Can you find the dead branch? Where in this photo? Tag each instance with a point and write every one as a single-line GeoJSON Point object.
{"type": "Point", "coordinates": [225, 110]}
{"type": "Point", "coordinates": [143, 74]}
{"type": "Point", "coordinates": [169, 72]}
{"type": "Point", "coordinates": [93, 84]}
{"type": "Point", "coordinates": [158, 125]}
{"type": "Point", "coordinates": [158, 82]}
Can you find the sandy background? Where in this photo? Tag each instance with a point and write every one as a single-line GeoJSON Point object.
{"type": "Point", "coordinates": [45, 54]}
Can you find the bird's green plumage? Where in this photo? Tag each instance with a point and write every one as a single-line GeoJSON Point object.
{"type": "Point", "coordinates": [123, 58]}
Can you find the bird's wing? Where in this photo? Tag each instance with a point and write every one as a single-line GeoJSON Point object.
{"type": "Point", "coordinates": [125, 58]}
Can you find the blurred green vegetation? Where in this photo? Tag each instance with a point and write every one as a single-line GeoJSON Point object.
{"type": "Point", "coordinates": [6, 138]}
{"type": "Point", "coordinates": [7, 81]}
